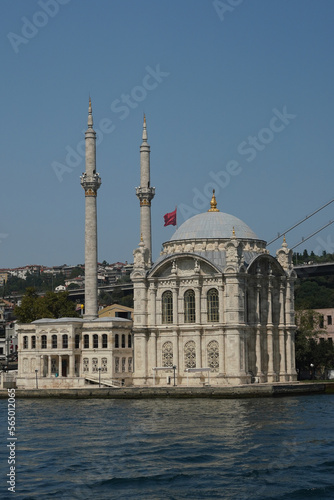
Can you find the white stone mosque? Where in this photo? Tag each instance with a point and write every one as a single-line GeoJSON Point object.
{"type": "Point", "coordinates": [215, 308]}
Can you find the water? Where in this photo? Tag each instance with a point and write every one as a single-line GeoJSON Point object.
{"type": "Point", "coordinates": [172, 449]}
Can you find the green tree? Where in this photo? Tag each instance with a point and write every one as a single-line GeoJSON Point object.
{"type": "Point", "coordinates": [77, 271]}
{"type": "Point", "coordinates": [52, 305]}
{"type": "Point", "coordinates": [310, 349]}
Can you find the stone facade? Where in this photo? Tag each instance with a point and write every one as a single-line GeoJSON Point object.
{"type": "Point", "coordinates": [73, 352]}
{"type": "Point", "coordinates": [220, 305]}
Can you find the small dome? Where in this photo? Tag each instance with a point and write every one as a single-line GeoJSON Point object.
{"type": "Point", "coordinates": [213, 225]}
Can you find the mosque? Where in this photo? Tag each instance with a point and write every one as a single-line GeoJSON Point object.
{"type": "Point", "coordinates": [215, 308]}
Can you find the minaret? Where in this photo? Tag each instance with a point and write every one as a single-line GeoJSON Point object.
{"type": "Point", "coordinates": [145, 194]}
{"type": "Point", "coordinates": [90, 181]}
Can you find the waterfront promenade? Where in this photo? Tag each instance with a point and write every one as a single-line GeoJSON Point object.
{"type": "Point", "coordinates": [229, 392]}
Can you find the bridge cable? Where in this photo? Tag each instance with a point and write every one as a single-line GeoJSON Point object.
{"type": "Point", "coordinates": [300, 222]}
{"type": "Point", "coordinates": [313, 234]}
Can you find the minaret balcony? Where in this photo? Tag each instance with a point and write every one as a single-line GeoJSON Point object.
{"type": "Point", "coordinates": [90, 183]}
{"type": "Point", "coordinates": [146, 194]}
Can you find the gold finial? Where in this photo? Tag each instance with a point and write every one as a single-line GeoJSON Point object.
{"type": "Point", "coordinates": [144, 119]}
{"type": "Point", "coordinates": [213, 203]}
{"type": "Point", "coordinates": [141, 237]}
{"type": "Point", "coordinates": [233, 232]}
{"type": "Point", "coordinates": [284, 240]}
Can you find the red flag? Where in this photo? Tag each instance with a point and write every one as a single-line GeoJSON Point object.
{"type": "Point", "coordinates": [170, 219]}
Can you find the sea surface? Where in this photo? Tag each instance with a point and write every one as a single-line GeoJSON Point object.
{"type": "Point", "coordinates": [272, 448]}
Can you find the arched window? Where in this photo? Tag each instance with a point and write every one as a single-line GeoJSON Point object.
{"type": "Point", "coordinates": [33, 342]}
{"type": "Point", "coordinates": [95, 341]}
{"type": "Point", "coordinates": [116, 365]}
{"type": "Point", "coordinates": [167, 307]}
{"type": "Point", "coordinates": [104, 363]}
{"type": "Point", "coordinates": [43, 341]}
{"type": "Point", "coordinates": [123, 364]}
{"type": "Point", "coordinates": [213, 355]}
{"type": "Point", "coordinates": [167, 354]}
{"type": "Point", "coordinates": [25, 342]}
{"type": "Point", "coordinates": [116, 340]}
{"type": "Point", "coordinates": [189, 306]}
{"type": "Point", "coordinates": [129, 341]}
{"type": "Point", "coordinates": [65, 341]}
{"type": "Point", "coordinates": [190, 354]}
{"type": "Point", "coordinates": [86, 341]}
{"type": "Point", "coordinates": [123, 340]}
{"type": "Point", "coordinates": [104, 341]}
{"type": "Point", "coordinates": [77, 341]}
{"type": "Point", "coordinates": [213, 305]}
{"type": "Point", "coordinates": [54, 341]}
{"type": "Point", "coordinates": [94, 364]}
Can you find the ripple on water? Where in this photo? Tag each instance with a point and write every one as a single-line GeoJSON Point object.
{"type": "Point", "coordinates": [175, 449]}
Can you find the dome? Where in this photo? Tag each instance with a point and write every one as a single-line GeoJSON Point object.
{"type": "Point", "coordinates": [213, 225]}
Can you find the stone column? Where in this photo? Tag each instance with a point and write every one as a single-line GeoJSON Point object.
{"type": "Point", "coordinates": [71, 364]}
{"type": "Point", "coordinates": [152, 353]}
{"type": "Point", "coordinates": [175, 341]}
{"type": "Point", "coordinates": [49, 366]}
{"type": "Point", "coordinates": [60, 373]}
{"type": "Point", "coordinates": [221, 303]}
{"type": "Point", "coordinates": [221, 339]}
{"type": "Point", "coordinates": [145, 193]}
{"type": "Point", "coordinates": [153, 296]}
{"type": "Point", "coordinates": [175, 292]}
{"type": "Point", "coordinates": [270, 337]}
{"type": "Point", "coordinates": [258, 332]}
{"type": "Point", "coordinates": [281, 333]}
{"type": "Point", "coordinates": [288, 354]}
{"type": "Point", "coordinates": [91, 182]}
{"type": "Point", "coordinates": [140, 355]}
{"type": "Point", "coordinates": [198, 304]}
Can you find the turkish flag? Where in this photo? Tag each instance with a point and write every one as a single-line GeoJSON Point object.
{"type": "Point", "coordinates": [170, 219]}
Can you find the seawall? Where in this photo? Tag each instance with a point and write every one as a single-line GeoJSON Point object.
{"type": "Point", "coordinates": [245, 391]}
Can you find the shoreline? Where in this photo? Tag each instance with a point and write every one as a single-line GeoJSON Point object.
{"type": "Point", "coordinates": [228, 392]}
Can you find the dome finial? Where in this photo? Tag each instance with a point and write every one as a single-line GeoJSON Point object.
{"type": "Point", "coordinates": [213, 203]}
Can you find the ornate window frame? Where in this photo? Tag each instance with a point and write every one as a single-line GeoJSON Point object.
{"type": "Point", "coordinates": [190, 354]}
{"type": "Point", "coordinates": [213, 305]}
{"type": "Point", "coordinates": [167, 307]}
{"type": "Point", "coordinates": [189, 306]}
{"type": "Point", "coordinates": [65, 341]}
{"type": "Point", "coordinates": [167, 354]}
{"type": "Point", "coordinates": [213, 355]}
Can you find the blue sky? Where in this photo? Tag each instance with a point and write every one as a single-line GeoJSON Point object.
{"type": "Point", "coordinates": [239, 98]}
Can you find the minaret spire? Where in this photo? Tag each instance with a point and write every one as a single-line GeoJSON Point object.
{"type": "Point", "coordinates": [145, 193]}
{"type": "Point", "coordinates": [90, 181]}
{"type": "Point", "coordinates": [90, 114]}
{"type": "Point", "coordinates": [144, 137]}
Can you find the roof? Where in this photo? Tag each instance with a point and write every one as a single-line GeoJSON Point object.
{"type": "Point", "coordinates": [213, 225]}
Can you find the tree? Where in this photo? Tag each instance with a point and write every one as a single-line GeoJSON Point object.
{"type": "Point", "coordinates": [310, 349]}
{"type": "Point", "coordinates": [52, 305]}
{"type": "Point", "coordinates": [77, 271]}
{"type": "Point", "coordinates": [314, 293]}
